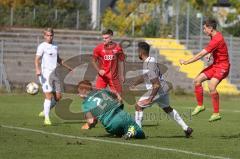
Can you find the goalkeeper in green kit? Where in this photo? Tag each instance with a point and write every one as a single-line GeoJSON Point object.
{"type": "Point", "coordinates": [104, 106]}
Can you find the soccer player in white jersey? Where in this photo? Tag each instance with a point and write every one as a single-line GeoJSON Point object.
{"type": "Point", "coordinates": [157, 89]}
{"type": "Point", "coordinates": [47, 56]}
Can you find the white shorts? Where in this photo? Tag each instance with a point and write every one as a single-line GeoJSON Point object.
{"type": "Point", "coordinates": [50, 81]}
{"type": "Point", "coordinates": [161, 98]}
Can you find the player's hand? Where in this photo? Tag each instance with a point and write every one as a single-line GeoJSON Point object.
{"type": "Point", "coordinates": [101, 72]}
{"type": "Point", "coordinates": [38, 72]}
{"type": "Point", "coordinates": [85, 126]}
{"type": "Point", "coordinates": [182, 62]}
{"type": "Point", "coordinates": [208, 57]}
{"type": "Point", "coordinates": [144, 102]}
{"type": "Point", "coordinates": [122, 79]}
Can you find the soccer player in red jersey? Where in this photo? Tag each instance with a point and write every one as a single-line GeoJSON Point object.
{"type": "Point", "coordinates": [108, 59]}
{"type": "Point", "coordinates": [215, 73]}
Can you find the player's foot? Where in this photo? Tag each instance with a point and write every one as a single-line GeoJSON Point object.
{"type": "Point", "coordinates": [188, 132]}
{"type": "Point", "coordinates": [41, 114]}
{"type": "Point", "coordinates": [130, 133]}
{"type": "Point", "coordinates": [85, 126]}
{"type": "Point", "coordinates": [47, 121]}
{"type": "Point", "coordinates": [214, 117]}
{"type": "Point", "coordinates": [198, 109]}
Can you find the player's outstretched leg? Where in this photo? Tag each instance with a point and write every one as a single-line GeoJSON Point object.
{"type": "Point", "coordinates": [175, 116]}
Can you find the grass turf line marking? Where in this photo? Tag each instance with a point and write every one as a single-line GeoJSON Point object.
{"type": "Point", "coordinates": [113, 142]}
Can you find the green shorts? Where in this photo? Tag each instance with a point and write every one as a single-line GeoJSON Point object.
{"type": "Point", "coordinates": [120, 123]}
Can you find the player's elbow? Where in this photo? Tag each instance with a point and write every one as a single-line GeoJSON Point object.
{"type": "Point", "coordinates": [156, 85]}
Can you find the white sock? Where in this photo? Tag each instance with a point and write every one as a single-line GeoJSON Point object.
{"type": "Point", "coordinates": [47, 104]}
{"type": "Point", "coordinates": [175, 116]}
{"type": "Point", "coordinates": [53, 103]}
{"type": "Point", "coordinates": [138, 118]}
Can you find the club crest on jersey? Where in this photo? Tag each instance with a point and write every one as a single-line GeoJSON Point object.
{"type": "Point", "coordinates": [115, 51]}
{"type": "Point", "coordinates": [109, 57]}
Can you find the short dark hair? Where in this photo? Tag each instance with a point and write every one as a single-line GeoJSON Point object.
{"type": "Point", "coordinates": [107, 31]}
{"type": "Point", "coordinates": [210, 23]}
{"type": "Point", "coordinates": [145, 47]}
{"type": "Point", "coordinates": [85, 84]}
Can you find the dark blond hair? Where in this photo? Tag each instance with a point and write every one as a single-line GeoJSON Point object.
{"type": "Point", "coordinates": [48, 30]}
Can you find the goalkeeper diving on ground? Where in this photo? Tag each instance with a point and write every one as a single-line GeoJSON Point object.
{"type": "Point", "coordinates": [104, 106]}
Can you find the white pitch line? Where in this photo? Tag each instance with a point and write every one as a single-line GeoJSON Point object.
{"type": "Point", "coordinates": [114, 142]}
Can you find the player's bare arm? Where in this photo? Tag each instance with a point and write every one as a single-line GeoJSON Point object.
{"type": "Point", "coordinates": [61, 62]}
{"type": "Point", "coordinates": [208, 57]}
{"type": "Point", "coordinates": [95, 65]}
{"type": "Point", "coordinates": [122, 71]}
{"type": "Point", "coordinates": [194, 59]}
{"type": "Point", "coordinates": [37, 65]}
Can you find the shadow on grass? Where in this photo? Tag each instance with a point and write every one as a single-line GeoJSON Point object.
{"type": "Point", "coordinates": [150, 125]}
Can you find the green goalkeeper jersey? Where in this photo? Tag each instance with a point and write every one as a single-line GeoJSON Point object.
{"type": "Point", "coordinates": [102, 104]}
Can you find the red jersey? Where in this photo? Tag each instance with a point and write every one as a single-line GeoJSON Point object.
{"type": "Point", "coordinates": [218, 48]}
{"type": "Point", "coordinates": [108, 57]}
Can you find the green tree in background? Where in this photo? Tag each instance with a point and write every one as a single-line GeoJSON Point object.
{"type": "Point", "coordinates": [205, 6]}
{"type": "Point", "coordinates": [45, 13]}
{"type": "Point", "coordinates": [128, 16]}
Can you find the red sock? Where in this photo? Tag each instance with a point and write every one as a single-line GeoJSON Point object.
{"type": "Point", "coordinates": [199, 94]}
{"type": "Point", "coordinates": [215, 102]}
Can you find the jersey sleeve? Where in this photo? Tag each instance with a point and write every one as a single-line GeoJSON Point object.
{"type": "Point", "coordinates": [40, 50]}
{"type": "Point", "coordinates": [212, 45]}
{"type": "Point", "coordinates": [85, 107]}
{"type": "Point", "coordinates": [152, 69]}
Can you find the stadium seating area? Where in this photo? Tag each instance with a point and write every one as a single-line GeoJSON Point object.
{"type": "Point", "coordinates": [173, 51]}
{"type": "Point", "coordinates": [20, 47]}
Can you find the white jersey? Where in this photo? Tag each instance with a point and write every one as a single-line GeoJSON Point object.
{"type": "Point", "coordinates": [49, 54]}
{"type": "Point", "coordinates": [151, 71]}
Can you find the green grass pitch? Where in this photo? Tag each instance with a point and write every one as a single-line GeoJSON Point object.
{"type": "Point", "coordinates": [22, 134]}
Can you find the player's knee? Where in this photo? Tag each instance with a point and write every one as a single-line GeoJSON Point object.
{"type": "Point", "coordinates": [138, 108]}
{"type": "Point", "coordinates": [48, 96]}
{"type": "Point", "coordinates": [58, 97]}
{"type": "Point", "coordinates": [197, 81]}
{"type": "Point", "coordinates": [212, 88]}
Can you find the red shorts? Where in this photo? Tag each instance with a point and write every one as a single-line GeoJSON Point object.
{"type": "Point", "coordinates": [216, 72]}
{"type": "Point", "coordinates": [114, 84]}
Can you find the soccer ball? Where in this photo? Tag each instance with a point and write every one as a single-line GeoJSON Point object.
{"type": "Point", "coordinates": [32, 88]}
